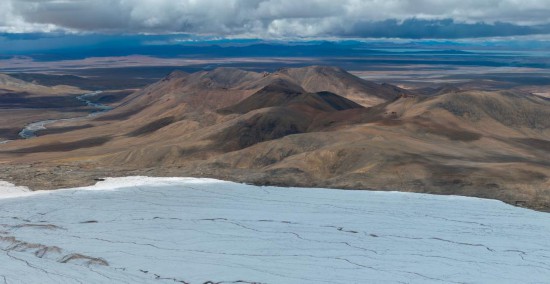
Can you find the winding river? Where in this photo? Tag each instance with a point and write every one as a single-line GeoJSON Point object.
{"type": "Point", "coordinates": [30, 130]}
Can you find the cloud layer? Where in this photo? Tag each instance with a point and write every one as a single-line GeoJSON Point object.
{"type": "Point", "coordinates": [282, 18]}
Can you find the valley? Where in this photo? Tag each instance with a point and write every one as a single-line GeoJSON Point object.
{"type": "Point", "coordinates": [30, 130]}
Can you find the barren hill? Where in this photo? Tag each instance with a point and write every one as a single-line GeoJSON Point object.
{"type": "Point", "coordinates": [313, 126]}
{"type": "Point", "coordinates": [338, 81]}
{"type": "Point", "coordinates": [9, 84]}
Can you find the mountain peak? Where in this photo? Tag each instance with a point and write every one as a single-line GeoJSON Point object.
{"type": "Point", "coordinates": [176, 74]}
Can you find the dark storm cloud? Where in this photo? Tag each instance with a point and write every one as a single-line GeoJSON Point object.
{"type": "Point", "coordinates": [440, 29]}
{"type": "Point", "coordinates": [281, 18]}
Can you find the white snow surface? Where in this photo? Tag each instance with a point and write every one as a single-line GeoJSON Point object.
{"type": "Point", "coordinates": [10, 190]}
{"type": "Point", "coordinates": [189, 230]}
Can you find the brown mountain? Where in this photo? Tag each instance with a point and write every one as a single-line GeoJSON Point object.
{"type": "Point", "coordinates": [313, 126]}
{"type": "Point", "coordinates": [338, 81]}
{"type": "Point", "coordinates": [222, 87]}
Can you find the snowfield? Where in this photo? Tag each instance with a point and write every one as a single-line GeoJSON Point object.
{"type": "Point", "coordinates": [187, 230]}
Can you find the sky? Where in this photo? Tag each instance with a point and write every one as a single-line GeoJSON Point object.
{"type": "Point", "coordinates": [280, 19]}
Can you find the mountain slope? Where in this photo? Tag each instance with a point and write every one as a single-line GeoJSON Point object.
{"type": "Point", "coordinates": [12, 85]}
{"type": "Point", "coordinates": [281, 95]}
{"type": "Point", "coordinates": [338, 81]}
{"type": "Point", "coordinates": [222, 87]}
{"type": "Point", "coordinates": [276, 128]}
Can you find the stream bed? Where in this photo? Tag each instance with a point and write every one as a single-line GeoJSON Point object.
{"type": "Point", "coordinates": [30, 130]}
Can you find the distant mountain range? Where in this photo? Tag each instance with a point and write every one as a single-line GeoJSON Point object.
{"type": "Point", "coordinates": [432, 52]}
